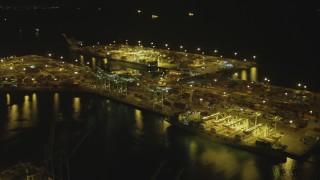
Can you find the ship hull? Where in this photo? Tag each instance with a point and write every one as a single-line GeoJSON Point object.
{"type": "Point", "coordinates": [223, 139]}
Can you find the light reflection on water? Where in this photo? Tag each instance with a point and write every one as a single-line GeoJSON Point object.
{"type": "Point", "coordinates": [123, 133]}
{"type": "Point", "coordinates": [76, 107]}
{"type": "Point", "coordinates": [26, 108]}
{"type": "Point", "coordinates": [8, 99]}
{"type": "Point", "coordinates": [56, 103]}
{"type": "Point", "coordinates": [34, 106]}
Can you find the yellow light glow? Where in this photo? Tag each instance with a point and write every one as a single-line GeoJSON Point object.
{"type": "Point", "coordinates": [253, 74]}
{"type": "Point", "coordinates": [244, 75]}
{"type": "Point", "coordinates": [56, 102]}
{"type": "Point", "coordinates": [34, 104]}
{"type": "Point", "coordinates": [13, 113]}
{"type": "Point", "coordinates": [138, 118]}
{"type": "Point", "coordinates": [76, 104]}
{"type": "Point", "coordinates": [93, 63]}
{"type": "Point", "coordinates": [8, 99]}
{"type": "Point", "coordinates": [249, 170]}
{"type": "Point", "coordinates": [193, 150]}
{"type": "Point", "coordinates": [26, 108]}
{"type": "Point", "coordinates": [81, 59]}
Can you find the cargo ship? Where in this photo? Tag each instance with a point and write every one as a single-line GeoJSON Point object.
{"type": "Point", "coordinates": [215, 128]}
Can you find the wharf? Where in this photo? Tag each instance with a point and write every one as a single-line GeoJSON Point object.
{"type": "Point", "coordinates": [36, 73]}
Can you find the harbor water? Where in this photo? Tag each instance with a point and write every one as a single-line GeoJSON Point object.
{"type": "Point", "coordinates": [104, 139]}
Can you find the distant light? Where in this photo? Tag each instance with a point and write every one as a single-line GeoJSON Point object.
{"type": "Point", "coordinates": [299, 84]}
{"type": "Point", "coordinates": [181, 47]}
{"type": "Point", "coordinates": [76, 72]}
{"type": "Point", "coordinates": [46, 65]}
{"type": "Point", "coordinates": [49, 54]}
{"type": "Point", "coordinates": [61, 57]}
{"type": "Point", "coordinates": [198, 49]}
{"type": "Point", "coordinates": [190, 14]}
{"type": "Point", "coordinates": [154, 16]}
{"type": "Point", "coordinates": [290, 121]}
{"type": "Point", "coordinates": [139, 11]}
{"type": "Point", "coordinates": [24, 69]}
{"type": "Point", "coordinates": [11, 68]}
{"type": "Point", "coordinates": [166, 45]}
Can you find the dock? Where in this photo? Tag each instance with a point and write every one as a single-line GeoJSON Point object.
{"type": "Point", "coordinates": [171, 92]}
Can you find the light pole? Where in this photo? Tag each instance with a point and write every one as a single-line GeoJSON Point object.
{"type": "Point", "coordinates": [254, 58]}
{"type": "Point", "coordinates": [215, 52]}
{"type": "Point", "coordinates": [235, 55]}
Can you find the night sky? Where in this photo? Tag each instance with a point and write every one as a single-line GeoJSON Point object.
{"type": "Point", "coordinates": [282, 32]}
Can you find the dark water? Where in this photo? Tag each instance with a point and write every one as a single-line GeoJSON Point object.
{"type": "Point", "coordinates": [122, 141]}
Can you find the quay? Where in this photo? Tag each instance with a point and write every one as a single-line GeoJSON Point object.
{"type": "Point", "coordinates": [231, 105]}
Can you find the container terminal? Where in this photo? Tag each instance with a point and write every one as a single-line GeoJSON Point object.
{"type": "Point", "coordinates": [191, 91]}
